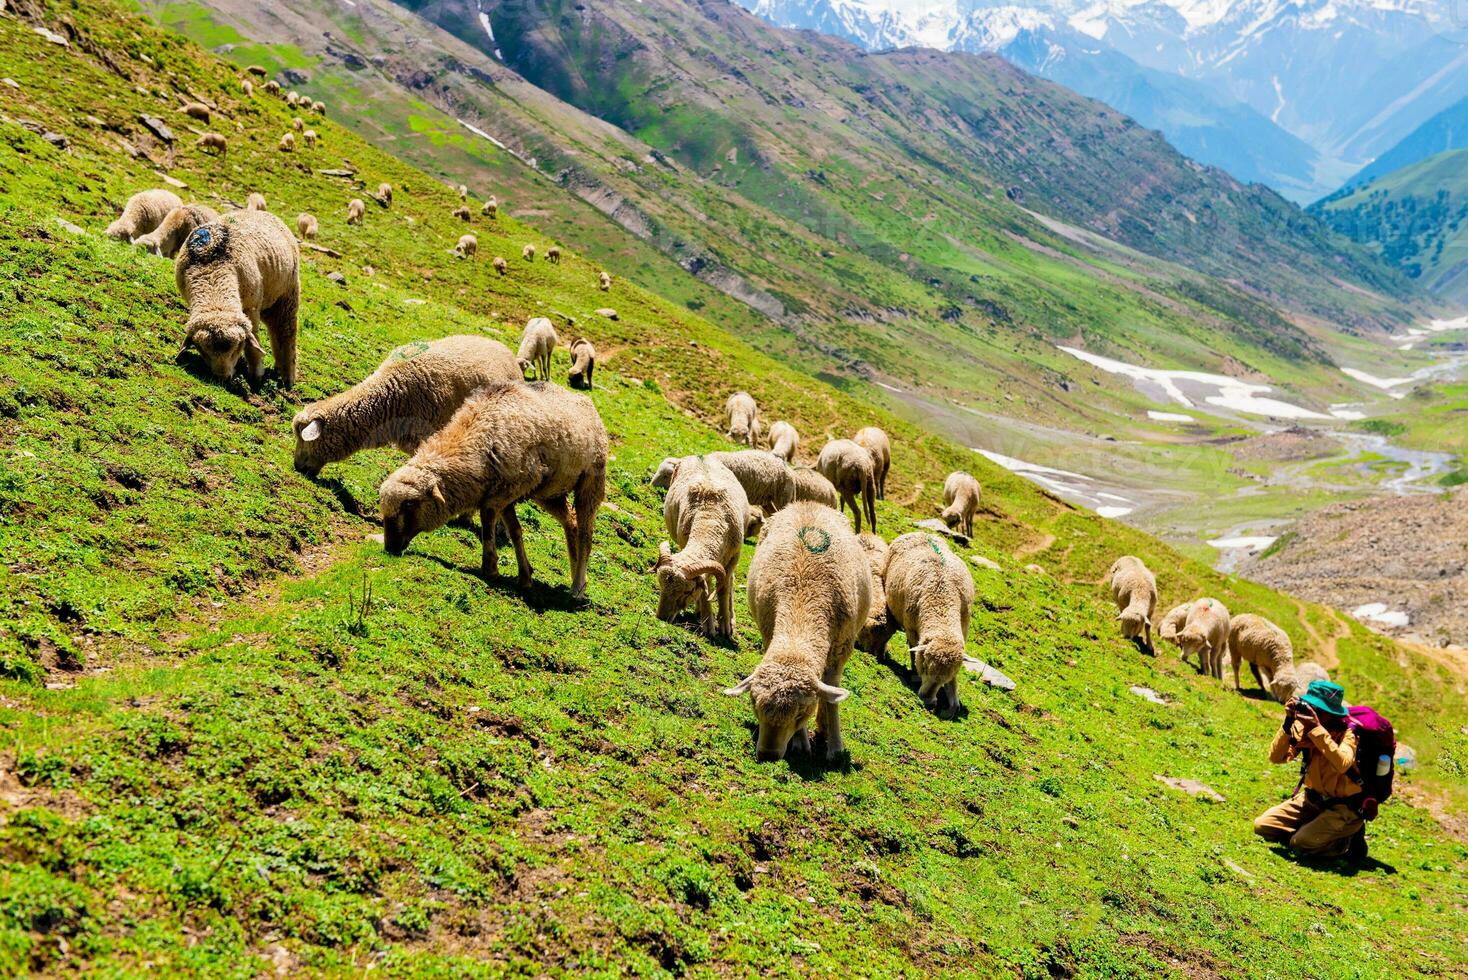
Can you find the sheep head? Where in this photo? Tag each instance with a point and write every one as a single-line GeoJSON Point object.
{"type": "Point", "coordinates": [1194, 642]}
{"type": "Point", "coordinates": [413, 501]}
{"type": "Point", "coordinates": [222, 338]}
{"type": "Point", "coordinates": [938, 662]}
{"type": "Point", "coordinates": [313, 449]}
{"type": "Point", "coordinates": [1134, 623]}
{"type": "Point", "coordinates": [951, 515]}
{"type": "Point", "coordinates": [679, 584]}
{"type": "Point", "coordinates": [1286, 684]}
{"type": "Point", "coordinates": [663, 476]}
{"type": "Point", "coordinates": [785, 697]}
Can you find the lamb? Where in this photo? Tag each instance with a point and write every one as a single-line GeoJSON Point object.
{"type": "Point", "coordinates": [784, 440]}
{"type": "Point", "coordinates": [356, 210]}
{"type": "Point", "coordinates": [528, 253]}
{"type": "Point", "coordinates": [706, 512]}
{"type": "Point", "coordinates": [1267, 650]}
{"type": "Point", "coordinates": [583, 363]}
{"type": "Point", "coordinates": [930, 593]}
{"type": "Point", "coordinates": [167, 238]}
{"type": "Point", "coordinates": [961, 495]}
{"type": "Point", "coordinates": [767, 481]}
{"type": "Point", "coordinates": [491, 208]}
{"type": "Point", "coordinates": [213, 141]}
{"type": "Point", "coordinates": [1205, 635]}
{"type": "Point", "coordinates": [876, 550]}
{"type": "Point", "coordinates": [500, 265]}
{"type": "Point", "coordinates": [537, 344]}
{"type": "Point", "coordinates": [1134, 589]}
{"type": "Point", "coordinates": [553, 255]}
{"type": "Point", "coordinates": [850, 470]}
{"type": "Point", "coordinates": [467, 248]}
{"type": "Point", "coordinates": [810, 589]}
{"type": "Point", "coordinates": [875, 441]}
{"type": "Point", "coordinates": [297, 123]}
{"type": "Point", "coordinates": [603, 281]}
{"type": "Point", "coordinates": [741, 415]}
{"type": "Point", "coordinates": [412, 394]}
{"type": "Point", "coordinates": [255, 202]}
{"type": "Point", "coordinates": [384, 194]}
{"type": "Point", "coordinates": [195, 110]}
{"type": "Point", "coordinates": [235, 273]}
{"type": "Point", "coordinates": [143, 212]}
{"type": "Point", "coordinates": [509, 442]}
{"type": "Point", "coordinates": [288, 143]}
{"type": "Point", "coordinates": [273, 87]}
{"type": "Point", "coordinates": [247, 88]}
{"type": "Point", "coordinates": [1174, 621]}
{"type": "Point", "coordinates": [462, 213]}
{"type": "Point", "coordinates": [310, 137]}
{"type": "Point", "coordinates": [811, 485]}
{"type": "Point", "coordinates": [307, 226]}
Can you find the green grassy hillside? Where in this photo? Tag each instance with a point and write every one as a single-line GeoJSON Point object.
{"type": "Point", "coordinates": [241, 739]}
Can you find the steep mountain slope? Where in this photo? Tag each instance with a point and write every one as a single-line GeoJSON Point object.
{"type": "Point", "coordinates": [1448, 130]}
{"type": "Point", "coordinates": [240, 739]}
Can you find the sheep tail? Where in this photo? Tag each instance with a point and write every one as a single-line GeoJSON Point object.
{"type": "Point", "coordinates": [869, 501]}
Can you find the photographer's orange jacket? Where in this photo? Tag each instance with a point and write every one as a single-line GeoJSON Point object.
{"type": "Point", "coordinates": [1330, 761]}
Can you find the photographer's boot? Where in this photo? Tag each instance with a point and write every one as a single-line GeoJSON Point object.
{"type": "Point", "coordinates": [1357, 850]}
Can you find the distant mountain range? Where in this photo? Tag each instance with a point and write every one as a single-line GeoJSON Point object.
{"type": "Point", "coordinates": [1298, 95]}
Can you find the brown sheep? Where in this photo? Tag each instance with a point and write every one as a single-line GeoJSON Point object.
{"type": "Point", "coordinates": [508, 443]}
{"type": "Point", "coordinates": [705, 512]}
{"type": "Point", "coordinates": [257, 70]}
{"type": "Point", "coordinates": [875, 441]}
{"type": "Point", "coordinates": [961, 495]}
{"type": "Point", "coordinates": [930, 593]}
{"type": "Point", "coordinates": [273, 87]}
{"type": "Point", "coordinates": [583, 363]}
{"type": "Point", "coordinates": [1205, 635]}
{"type": "Point", "coordinates": [143, 213]}
{"type": "Point", "coordinates": [1134, 589]}
{"type": "Point", "coordinates": [741, 418]}
{"type": "Point", "coordinates": [810, 592]}
{"type": "Point", "coordinates": [1267, 650]}
{"type": "Point", "coordinates": [255, 202]}
{"type": "Point", "coordinates": [462, 213]}
{"type": "Point", "coordinates": [167, 238]}
{"type": "Point", "coordinates": [288, 143]}
{"type": "Point", "coordinates": [213, 141]}
{"type": "Point", "coordinates": [356, 211]}
{"type": "Point", "coordinates": [500, 265]}
{"type": "Point", "coordinates": [196, 110]}
{"type": "Point", "coordinates": [307, 226]}
{"type": "Point", "coordinates": [467, 247]}
{"type": "Point", "coordinates": [553, 255]}
{"type": "Point", "coordinates": [384, 194]}
{"type": "Point", "coordinates": [528, 253]}
{"type": "Point", "coordinates": [850, 470]}
{"type": "Point", "coordinates": [235, 273]}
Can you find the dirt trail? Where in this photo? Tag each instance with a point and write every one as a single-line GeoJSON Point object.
{"type": "Point", "coordinates": [1326, 653]}
{"type": "Point", "coordinates": [1034, 547]}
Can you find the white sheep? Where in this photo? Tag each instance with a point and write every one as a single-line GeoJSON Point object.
{"type": "Point", "coordinates": [706, 513]}
{"type": "Point", "coordinates": [1172, 624]}
{"type": "Point", "coordinates": [603, 281]}
{"type": "Point", "coordinates": [810, 590]}
{"type": "Point", "coordinates": [500, 265]}
{"type": "Point", "coordinates": [462, 213]}
{"type": "Point", "coordinates": [255, 202]}
{"type": "Point", "coordinates": [537, 344]}
{"type": "Point", "coordinates": [310, 137]}
{"type": "Point", "coordinates": [318, 107]}
{"type": "Point", "coordinates": [167, 238]}
{"type": "Point", "coordinates": [876, 551]}
{"type": "Point", "coordinates": [741, 418]}
{"type": "Point", "coordinates": [961, 496]}
{"type": "Point", "coordinates": [196, 110]}
{"type": "Point", "coordinates": [1205, 635]}
{"type": "Point", "coordinates": [307, 226]}
{"type": "Point", "coordinates": [213, 141]}
{"type": "Point", "coordinates": [384, 194]}
{"type": "Point", "coordinates": [508, 443]}
{"type": "Point", "coordinates": [583, 363]}
{"type": "Point", "coordinates": [767, 481]}
{"type": "Point", "coordinates": [1303, 674]}
{"type": "Point", "coordinates": [463, 193]}
{"type": "Point", "coordinates": [875, 441]}
{"type": "Point", "coordinates": [298, 124]}
{"type": "Point", "coordinates": [467, 247]}
{"type": "Point", "coordinates": [247, 88]}
{"type": "Point", "coordinates": [143, 213]}
{"type": "Point", "coordinates": [784, 440]}
{"type": "Point", "coordinates": [811, 485]}
{"type": "Point", "coordinates": [413, 393]}
{"type": "Point", "coordinates": [1134, 589]}
{"type": "Point", "coordinates": [1267, 650]}
{"type": "Point", "coordinates": [850, 470]}
{"type": "Point", "coordinates": [528, 253]}
{"type": "Point", "coordinates": [288, 143]}
{"type": "Point", "coordinates": [273, 87]}
{"type": "Point", "coordinates": [491, 208]}
{"type": "Point", "coordinates": [356, 210]}
{"type": "Point", "coordinates": [930, 593]}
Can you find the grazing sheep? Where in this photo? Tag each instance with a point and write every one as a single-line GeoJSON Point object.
{"type": "Point", "coordinates": [235, 273]}
{"type": "Point", "coordinates": [784, 440]}
{"type": "Point", "coordinates": [318, 107]}
{"type": "Point", "coordinates": [810, 590]}
{"type": "Point", "coordinates": [196, 110]}
{"type": "Point", "coordinates": [876, 550]}
{"type": "Point", "coordinates": [754, 524]}
{"type": "Point", "coordinates": [467, 248]}
{"type": "Point", "coordinates": [663, 475]}
{"type": "Point", "coordinates": [143, 212]}
{"type": "Point", "coordinates": [930, 593]}
{"type": "Point", "coordinates": [603, 281]}
{"type": "Point", "coordinates": [767, 481]}
{"type": "Point", "coordinates": [463, 193]}
{"type": "Point", "coordinates": [412, 394]}
{"type": "Point", "coordinates": [1205, 635]}
{"type": "Point", "coordinates": [1134, 589]}
{"type": "Point", "coordinates": [875, 441]}
{"type": "Point", "coordinates": [356, 210]}
{"type": "Point", "coordinates": [1303, 675]}
{"type": "Point", "coordinates": [508, 443]}
{"type": "Point", "coordinates": [462, 213]}
{"type": "Point", "coordinates": [583, 363]}
{"type": "Point", "coordinates": [501, 266]}
{"type": "Point", "coordinates": [297, 123]}
{"type": "Point", "coordinates": [491, 208]}
{"type": "Point", "coordinates": [167, 238]}
{"type": "Point", "coordinates": [706, 513]}
{"type": "Point", "coordinates": [255, 202]}
{"type": "Point", "coordinates": [247, 88]}
{"type": "Point", "coordinates": [307, 226]}
{"type": "Point", "coordinates": [537, 344]}
{"type": "Point", "coordinates": [961, 495]}
{"type": "Point", "coordinates": [849, 468]}
{"type": "Point", "coordinates": [528, 253]}
{"type": "Point", "coordinates": [553, 255]}
{"type": "Point", "coordinates": [741, 416]}
{"type": "Point", "coordinates": [293, 97]}
{"type": "Point", "coordinates": [288, 143]}
{"type": "Point", "coordinates": [213, 141]}
{"type": "Point", "coordinates": [384, 194]}
{"type": "Point", "coordinates": [811, 485]}
{"type": "Point", "coordinates": [273, 87]}
{"type": "Point", "coordinates": [1267, 650]}
{"type": "Point", "coordinates": [1172, 624]}
{"type": "Point", "coordinates": [310, 137]}
{"type": "Point", "coordinates": [257, 70]}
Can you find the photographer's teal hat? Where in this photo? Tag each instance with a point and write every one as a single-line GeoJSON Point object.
{"type": "Point", "coordinates": [1327, 697]}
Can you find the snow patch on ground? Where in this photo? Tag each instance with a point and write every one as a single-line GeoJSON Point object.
{"type": "Point", "coordinates": [1170, 417]}
{"type": "Point", "coordinates": [883, 384]}
{"type": "Point", "coordinates": [1374, 381]}
{"type": "Point", "coordinates": [1349, 414]}
{"type": "Point", "coordinates": [1377, 612]}
{"type": "Point", "coordinates": [1249, 542]}
{"type": "Point", "coordinates": [1075, 487]}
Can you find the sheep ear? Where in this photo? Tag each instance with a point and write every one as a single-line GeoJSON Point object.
{"type": "Point", "coordinates": [741, 688]}
{"type": "Point", "coordinates": [437, 494]}
{"type": "Point", "coordinates": [312, 432]}
{"type": "Point", "coordinates": [188, 342]}
{"type": "Point", "coordinates": [1148, 621]}
{"type": "Point", "coordinates": [253, 343]}
{"type": "Point", "coordinates": [832, 695]}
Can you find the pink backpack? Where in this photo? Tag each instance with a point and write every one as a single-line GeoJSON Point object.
{"type": "Point", "coordinates": [1375, 742]}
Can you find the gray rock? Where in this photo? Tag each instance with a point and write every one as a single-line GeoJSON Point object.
{"type": "Point", "coordinates": [1192, 787]}
{"type": "Point", "coordinates": [988, 674]}
{"type": "Point", "coordinates": [938, 527]}
{"type": "Point", "coordinates": [607, 312]}
{"type": "Point", "coordinates": [157, 126]}
{"type": "Point", "coordinates": [56, 140]}
{"type": "Point", "coordinates": [337, 278]}
{"type": "Point", "coordinates": [70, 228]}
{"type": "Point", "coordinates": [983, 562]}
{"type": "Point", "coordinates": [1148, 694]}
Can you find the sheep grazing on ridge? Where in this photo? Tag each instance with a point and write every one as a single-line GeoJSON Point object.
{"type": "Point", "coordinates": [213, 141]}
{"type": "Point", "coordinates": [1267, 650]}
{"type": "Point", "coordinates": [257, 70]}
{"type": "Point", "coordinates": [784, 440]}
{"type": "Point", "coordinates": [288, 143]}
{"type": "Point", "coordinates": [1134, 589]}
{"type": "Point", "coordinates": [384, 194]}
{"type": "Point", "coordinates": [603, 281]}
{"type": "Point", "coordinates": [706, 513]}
{"type": "Point", "coordinates": [741, 418]}
{"type": "Point", "coordinates": [850, 470]}
{"type": "Point", "coordinates": [356, 210]}
{"type": "Point", "coordinates": [766, 479]}
{"type": "Point", "coordinates": [810, 591]}
{"type": "Point", "coordinates": [143, 213]}
{"type": "Point", "coordinates": [297, 123]}
{"type": "Point", "coordinates": [500, 265]}
{"type": "Point", "coordinates": [876, 550]}
{"type": "Point", "coordinates": [528, 253]}
{"type": "Point", "coordinates": [1172, 624]}
{"type": "Point", "coordinates": [293, 97]}
{"type": "Point", "coordinates": [812, 486]}
{"type": "Point", "coordinates": [318, 107]}
{"type": "Point", "coordinates": [247, 88]}
{"type": "Point", "coordinates": [307, 227]}
{"type": "Point", "coordinates": [462, 213]}
{"type": "Point", "coordinates": [1205, 635]}
{"type": "Point", "coordinates": [930, 593]}
{"type": "Point", "coordinates": [412, 394]}
{"type": "Point", "coordinates": [310, 137]}
{"type": "Point", "coordinates": [875, 441]}
{"type": "Point", "coordinates": [235, 273]}
{"type": "Point", "coordinates": [961, 496]}
{"type": "Point", "coordinates": [167, 238]}
{"type": "Point", "coordinates": [273, 87]}
{"type": "Point", "coordinates": [463, 193]}
{"type": "Point", "coordinates": [583, 363]}
{"type": "Point", "coordinates": [508, 443]}
{"type": "Point", "coordinates": [196, 110]}
{"type": "Point", "coordinates": [467, 247]}
{"type": "Point", "coordinates": [553, 255]}
{"type": "Point", "coordinates": [255, 202]}
{"type": "Point", "coordinates": [537, 344]}
{"type": "Point", "coordinates": [491, 208]}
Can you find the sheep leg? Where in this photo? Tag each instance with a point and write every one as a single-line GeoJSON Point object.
{"type": "Point", "coordinates": [517, 537]}
{"type": "Point", "coordinates": [489, 564]}
{"type": "Point", "coordinates": [590, 367]}
{"type": "Point", "coordinates": [726, 605]}
{"type": "Point", "coordinates": [705, 609]}
{"type": "Point", "coordinates": [1237, 685]}
{"type": "Point", "coordinates": [590, 492]}
{"type": "Point", "coordinates": [280, 323]}
{"type": "Point", "coordinates": [869, 499]}
{"type": "Point", "coordinates": [558, 508]}
{"type": "Point", "coordinates": [1257, 679]}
